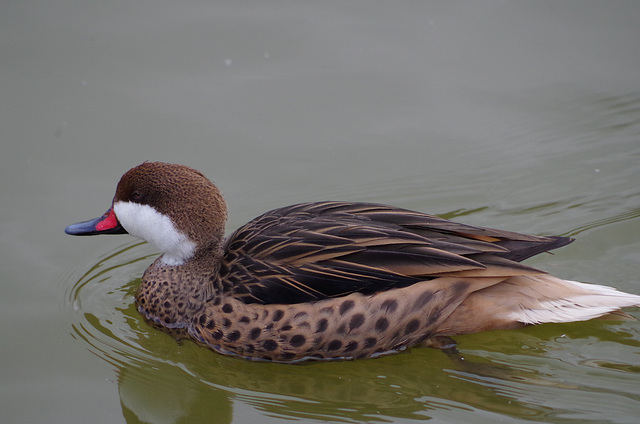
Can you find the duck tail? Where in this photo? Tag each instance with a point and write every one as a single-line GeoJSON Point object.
{"type": "Point", "coordinates": [543, 298]}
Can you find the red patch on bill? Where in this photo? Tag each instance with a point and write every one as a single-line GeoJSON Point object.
{"type": "Point", "coordinates": [109, 222]}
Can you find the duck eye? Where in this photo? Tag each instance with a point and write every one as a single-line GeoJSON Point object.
{"type": "Point", "coordinates": [136, 195]}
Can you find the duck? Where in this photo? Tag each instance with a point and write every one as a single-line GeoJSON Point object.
{"type": "Point", "coordinates": [331, 279]}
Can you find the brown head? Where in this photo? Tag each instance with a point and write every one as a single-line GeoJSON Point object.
{"type": "Point", "coordinates": [174, 207]}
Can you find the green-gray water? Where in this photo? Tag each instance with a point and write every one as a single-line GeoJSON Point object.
{"type": "Point", "coordinates": [516, 115]}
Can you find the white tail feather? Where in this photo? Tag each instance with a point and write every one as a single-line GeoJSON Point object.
{"type": "Point", "coordinates": [551, 299]}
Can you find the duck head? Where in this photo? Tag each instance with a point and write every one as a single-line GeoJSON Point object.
{"type": "Point", "coordinates": [173, 207]}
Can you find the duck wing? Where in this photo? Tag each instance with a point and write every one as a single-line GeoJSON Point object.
{"type": "Point", "coordinates": [314, 251]}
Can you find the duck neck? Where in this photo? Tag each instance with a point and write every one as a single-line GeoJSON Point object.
{"type": "Point", "coordinates": [170, 294]}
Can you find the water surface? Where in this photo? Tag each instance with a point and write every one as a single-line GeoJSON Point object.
{"type": "Point", "coordinates": [517, 115]}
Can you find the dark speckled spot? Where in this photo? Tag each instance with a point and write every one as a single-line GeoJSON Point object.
{"type": "Point", "coordinates": [297, 340]}
{"type": "Point", "coordinates": [217, 335]}
{"type": "Point", "coordinates": [370, 342]}
{"type": "Point", "coordinates": [423, 299]}
{"type": "Point", "coordinates": [269, 345]}
{"type": "Point", "coordinates": [211, 324]}
{"type": "Point", "coordinates": [203, 319]}
{"type": "Point", "coordinates": [356, 321]}
{"type": "Point", "coordinates": [412, 326]}
{"type": "Point", "coordinates": [227, 308]}
{"type": "Point", "coordinates": [346, 305]}
{"type": "Point", "coordinates": [233, 336]}
{"type": "Point", "coordinates": [244, 319]}
{"type": "Point", "coordinates": [433, 318]}
{"type": "Point", "coordinates": [382, 324]}
{"type": "Point", "coordinates": [389, 305]}
{"type": "Point", "coordinates": [254, 333]}
{"type": "Point", "coordinates": [334, 345]}
{"type": "Point", "coordinates": [322, 325]}
{"type": "Point", "coordinates": [351, 346]}
{"type": "Point", "coordinates": [277, 315]}
{"type": "Point", "coordinates": [460, 286]}
{"type": "Point", "coordinates": [286, 328]}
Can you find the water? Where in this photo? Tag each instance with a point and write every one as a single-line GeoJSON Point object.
{"type": "Point", "coordinates": [516, 115]}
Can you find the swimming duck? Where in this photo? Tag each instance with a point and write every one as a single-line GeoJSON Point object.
{"type": "Point", "coordinates": [330, 280]}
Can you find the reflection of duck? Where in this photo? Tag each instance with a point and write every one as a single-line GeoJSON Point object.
{"type": "Point", "coordinates": [330, 279]}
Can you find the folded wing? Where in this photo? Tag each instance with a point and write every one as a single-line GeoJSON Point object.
{"type": "Point", "coordinates": [320, 250]}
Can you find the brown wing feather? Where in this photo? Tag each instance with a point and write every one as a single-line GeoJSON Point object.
{"type": "Point", "coordinates": [314, 251]}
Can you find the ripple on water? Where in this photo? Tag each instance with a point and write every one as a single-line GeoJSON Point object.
{"type": "Point", "coordinates": [100, 301]}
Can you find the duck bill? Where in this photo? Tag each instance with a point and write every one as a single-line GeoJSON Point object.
{"type": "Point", "coordinates": [106, 224]}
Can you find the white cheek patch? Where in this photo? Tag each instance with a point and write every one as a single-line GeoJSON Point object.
{"type": "Point", "coordinates": [144, 222]}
